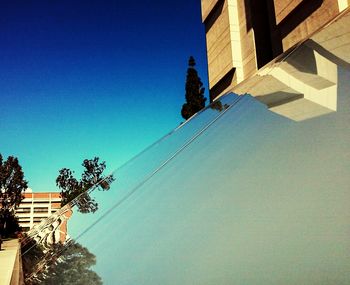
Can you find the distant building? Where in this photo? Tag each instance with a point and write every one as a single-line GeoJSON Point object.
{"type": "Point", "coordinates": [283, 52]}
{"type": "Point", "coordinates": [37, 206]}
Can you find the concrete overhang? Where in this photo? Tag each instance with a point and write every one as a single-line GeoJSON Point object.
{"type": "Point", "coordinates": [302, 82]}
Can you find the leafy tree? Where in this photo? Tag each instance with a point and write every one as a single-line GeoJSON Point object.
{"type": "Point", "coordinates": [12, 186]}
{"type": "Point", "coordinates": [91, 177]}
{"type": "Point", "coordinates": [195, 100]}
{"type": "Point", "coordinates": [68, 263]}
{"type": "Point", "coordinates": [73, 267]}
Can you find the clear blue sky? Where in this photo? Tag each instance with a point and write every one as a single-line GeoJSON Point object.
{"type": "Point", "coordinates": [81, 78]}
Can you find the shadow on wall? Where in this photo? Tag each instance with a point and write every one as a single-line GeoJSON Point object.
{"type": "Point", "coordinates": [214, 14]}
{"type": "Point", "coordinates": [278, 98]}
{"type": "Point", "coordinates": [327, 54]}
{"type": "Point", "coordinates": [268, 35]}
{"type": "Point", "coordinates": [222, 85]}
{"type": "Point", "coordinates": [299, 14]}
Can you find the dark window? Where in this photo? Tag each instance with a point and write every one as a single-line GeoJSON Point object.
{"type": "Point", "coordinates": [41, 210]}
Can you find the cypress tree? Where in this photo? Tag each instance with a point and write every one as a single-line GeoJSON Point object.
{"type": "Point", "coordinates": [195, 100]}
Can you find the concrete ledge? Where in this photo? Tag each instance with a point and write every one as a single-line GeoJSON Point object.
{"type": "Point", "coordinates": [10, 263]}
{"type": "Point", "coordinates": [302, 83]}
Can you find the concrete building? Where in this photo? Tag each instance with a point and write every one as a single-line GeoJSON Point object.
{"type": "Point", "coordinates": [285, 53]}
{"type": "Point", "coordinates": [37, 206]}
{"type": "Point", "coordinates": [33, 212]}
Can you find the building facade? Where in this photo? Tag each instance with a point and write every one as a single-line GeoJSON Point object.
{"type": "Point", "coordinates": [279, 51]}
{"type": "Point", "coordinates": [37, 206]}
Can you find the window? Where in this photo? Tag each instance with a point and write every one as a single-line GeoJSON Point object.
{"type": "Point", "coordinates": [41, 210]}
{"type": "Point", "coordinates": [24, 220]}
{"type": "Point", "coordinates": [23, 210]}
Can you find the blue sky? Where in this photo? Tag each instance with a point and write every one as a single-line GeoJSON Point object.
{"type": "Point", "coordinates": [103, 78]}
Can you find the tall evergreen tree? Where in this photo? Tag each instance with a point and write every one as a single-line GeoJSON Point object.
{"type": "Point", "coordinates": [195, 100]}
